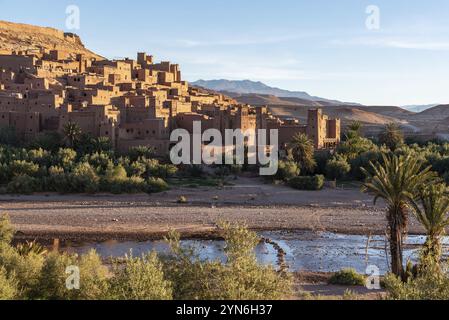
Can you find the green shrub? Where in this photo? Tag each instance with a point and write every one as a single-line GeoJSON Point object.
{"type": "Point", "coordinates": [57, 180]}
{"type": "Point", "coordinates": [287, 170]}
{"type": "Point", "coordinates": [156, 185]}
{"type": "Point", "coordinates": [337, 168]}
{"type": "Point", "coordinates": [128, 185]}
{"type": "Point", "coordinates": [94, 278]}
{"type": "Point", "coordinates": [6, 230]}
{"type": "Point", "coordinates": [140, 279]}
{"type": "Point", "coordinates": [8, 286]}
{"type": "Point", "coordinates": [25, 269]}
{"type": "Point", "coordinates": [136, 153]}
{"type": "Point", "coordinates": [239, 278]}
{"type": "Point", "coordinates": [47, 140]}
{"type": "Point", "coordinates": [308, 183]}
{"type": "Point", "coordinates": [84, 178]}
{"type": "Point", "coordinates": [51, 283]}
{"type": "Point", "coordinates": [182, 200]}
{"type": "Point", "coordinates": [22, 167]}
{"type": "Point", "coordinates": [66, 158]}
{"type": "Point", "coordinates": [23, 184]}
{"type": "Point", "coordinates": [432, 283]}
{"type": "Point", "coordinates": [347, 277]}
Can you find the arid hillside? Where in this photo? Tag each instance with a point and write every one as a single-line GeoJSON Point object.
{"type": "Point", "coordinates": [17, 37]}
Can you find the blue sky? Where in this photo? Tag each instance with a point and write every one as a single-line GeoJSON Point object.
{"type": "Point", "coordinates": [319, 46]}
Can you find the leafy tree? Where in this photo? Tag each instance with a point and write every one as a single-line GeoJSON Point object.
{"type": "Point", "coordinates": [302, 150]}
{"type": "Point", "coordinates": [397, 181]}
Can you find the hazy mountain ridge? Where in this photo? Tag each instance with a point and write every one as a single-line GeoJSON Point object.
{"type": "Point", "coordinates": [256, 87]}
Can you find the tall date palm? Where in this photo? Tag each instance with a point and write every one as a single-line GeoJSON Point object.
{"type": "Point", "coordinates": [433, 214]}
{"type": "Point", "coordinates": [302, 150]}
{"type": "Point", "coordinates": [397, 180]}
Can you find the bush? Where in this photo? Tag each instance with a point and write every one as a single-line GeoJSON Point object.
{"type": "Point", "coordinates": [23, 185]}
{"type": "Point", "coordinates": [6, 230]}
{"type": "Point", "coordinates": [25, 269]}
{"type": "Point", "coordinates": [287, 170]}
{"type": "Point", "coordinates": [84, 178]}
{"type": "Point", "coordinates": [308, 183]}
{"type": "Point", "coordinates": [47, 141]}
{"type": "Point", "coordinates": [57, 180]}
{"type": "Point", "coordinates": [432, 283]}
{"type": "Point", "coordinates": [52, 280]}
{"type": "Point", "coordinates": [182, 200]}
{"type": "Point", "coordinates": [8, 286]}
{"type": "Point", "coordinates": [94, 284]}
{"type": "Point", "coordinates": [347, 277]}
{"type": "Point", "coordinates": [21, 167]}
{"type": "Point", "coordinates": [140, 279]}
{"type": "Point", "coordinates": [337, 168]}
{"type": "Point", "coordinates": [156, 185]}
{"type": "Point", "coordinates": [136, 153]}
{"type": "Point", "coordinates": [51, 283]}
{"type": "Point", "coordinates": [239, 278]}
{"type": "Point", "coordinates": [66, 158]}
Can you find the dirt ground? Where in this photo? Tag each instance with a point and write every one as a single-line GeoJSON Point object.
{"type": "Point", "coordinates": [144, 217]}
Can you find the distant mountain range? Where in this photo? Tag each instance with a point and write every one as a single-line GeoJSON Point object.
{"type": "Point", "coordinates": [422, 119]}
{"type": "Point", "coordinates": [419, 108]}
{"type": "Point", "coordinates": [245, 87]}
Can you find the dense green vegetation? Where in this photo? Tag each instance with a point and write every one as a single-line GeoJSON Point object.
{"type": "Point", "coordinates": [410, 180]}
{"type": "Point", "coordinates": [37, 274]}
{"type": "Point", "coordinates": [46, 164]}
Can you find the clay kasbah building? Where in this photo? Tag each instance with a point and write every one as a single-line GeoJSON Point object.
{"type": "Point", "coordinates": [131, 102]}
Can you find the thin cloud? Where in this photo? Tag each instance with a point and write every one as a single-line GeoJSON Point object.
{"type": "Point", "coordinates": [190, 43]}
{"type": "Point", "coordinates": [395, 43]}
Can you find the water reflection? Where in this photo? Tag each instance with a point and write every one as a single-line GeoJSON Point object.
{"type": "Point", "coordinates": [305, 250]}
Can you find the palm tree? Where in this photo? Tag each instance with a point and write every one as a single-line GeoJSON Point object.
{"type": "Point", "coordinates": [433, 214]}
{"type": "Point", "coordinates": [72, 132]}
{"type": "Point", "coordinates": [392, 136]}
{"type": "Point", "coordinates": [355, 128]}
{"type": "Point", "coordinates": [397, 181]}
{"type": "Point", "coordinates": [302, 150]}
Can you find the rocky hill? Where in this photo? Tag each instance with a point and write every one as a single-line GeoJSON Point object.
{"type": "Point", "coordinates": [436, 113]}
{"type": "Point", "coordinates": [19, 37]}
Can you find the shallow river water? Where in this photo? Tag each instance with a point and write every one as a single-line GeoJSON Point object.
{"type": "Point", "coordinates": [305, 250]}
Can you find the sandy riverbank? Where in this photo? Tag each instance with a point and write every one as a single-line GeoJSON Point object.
{"type": "Point", "coordinates": [143, 217]}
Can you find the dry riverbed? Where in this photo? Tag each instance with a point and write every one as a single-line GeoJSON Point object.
{"type": "Point", "coordinates": [143, 217]}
